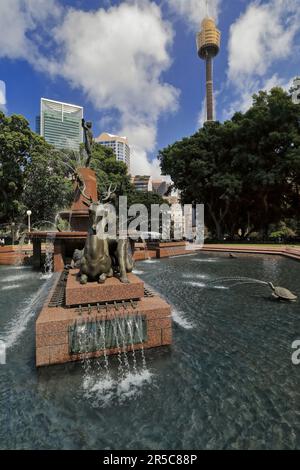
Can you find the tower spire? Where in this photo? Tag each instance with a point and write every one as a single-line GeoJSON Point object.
{"type": "Point", "coordinates": [208, 46]}
{"type": "Point", "coordinates": [207, 12]}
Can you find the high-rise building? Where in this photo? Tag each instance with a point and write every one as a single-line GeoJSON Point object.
{"type": "Point", "coordinates": [208, 46]}
{"type": "Point", "coordinates": [118, 144]}
{"type": "Point", "coordinates": [142, 183]}
{"type": "Point", "coordinates": [60, 124]}
{"type": "Point", "coordinates": [296, 90]}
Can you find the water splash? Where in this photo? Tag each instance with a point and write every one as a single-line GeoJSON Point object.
{"type": "Point", "coordinates": [102, 391]}
{"type": "Point", "coordinates": [12, 287]}
{"type": "Point", "coordinates": [17, 325]}
{"type": "Point", "coordinates": [196, 284]}
{"type": "Point", "coordinates": [15, 277]}
{"type": "Point", "coordinates": [48, 266]}
{"type": "Point", "coordinates": [205, 260]}
{"type": "Point", "coordinates": [195, 276]}
{"type": "Point", "coordinates": [179, 318]}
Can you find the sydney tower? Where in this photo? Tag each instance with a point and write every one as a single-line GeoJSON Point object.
{"type": "Point", "coordinates": [208, 45]}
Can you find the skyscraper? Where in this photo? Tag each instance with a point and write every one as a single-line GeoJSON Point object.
{"type": "Point", "coordinates": [60, 124]}
{"type": "Point", "coordinates": [208, 46]}
{"type": "Point", "coordinates": [118, 144]}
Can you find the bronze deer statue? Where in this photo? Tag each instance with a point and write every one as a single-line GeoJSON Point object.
{"type": "Point", "coordinates": [95, 263]}
{"type": "Point", "coordinates": [104, 256]}
{"type": "Point", "coordinates": [120, 249]}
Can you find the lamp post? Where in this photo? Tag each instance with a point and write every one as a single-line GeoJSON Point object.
{"type": "Point", "coordinates": [29, 213]}
{"type": "Point", "coordinates": [13, 232]}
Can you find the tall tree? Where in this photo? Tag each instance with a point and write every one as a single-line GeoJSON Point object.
{"type": "Point", "coordinates": [246, 171]}
{"type": "Point", "coordinates": [15, 145]}
{"type": "Point", "coordinates": [47, 184]}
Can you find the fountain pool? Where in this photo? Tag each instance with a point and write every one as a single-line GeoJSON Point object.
{"type": "Point", "coordinates": [227, 382]}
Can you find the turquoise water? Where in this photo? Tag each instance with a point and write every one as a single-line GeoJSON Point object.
{"type": "Point", "coordinates": [227, 382]}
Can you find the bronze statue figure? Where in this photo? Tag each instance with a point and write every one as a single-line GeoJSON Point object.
{"type": "Point", "coordinates": [95, 263]}
{"type": "Point", "coordinates": [120, 249]}
{"type": "Point", "coordinates": [88, 140]}
{"type": "Point", "coordinates": [102, 256]}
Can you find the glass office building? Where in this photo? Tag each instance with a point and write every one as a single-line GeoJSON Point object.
{"type": "Point", "coordinates": [60, 124]}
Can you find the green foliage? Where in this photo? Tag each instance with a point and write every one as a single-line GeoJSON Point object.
{"type": "Point", "coordinates": [47, 188]}
{"type": "Point", "coordinates": [147, 199]}
{"type": "Point", "coordinates": [32, 174]}
{"type": "Point", "coordinates": [283, 232]}
{"type": "Point", "coordinates": [15, 145]}
{"type": "Point", "coordinates": [246, 171]}
{"type": "Point", "coordinates": [109, 170]}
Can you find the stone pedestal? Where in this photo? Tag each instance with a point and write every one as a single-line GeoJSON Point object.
{"type": "Point", "coordinates": [58, 328]}
{"type": "Point", "coordinates": [112, 290]}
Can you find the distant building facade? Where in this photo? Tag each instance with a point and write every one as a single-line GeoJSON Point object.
{"type": "Point", "coordinates": [147, 184]}
{"type": "Point", "coordinates": [296, 90]}
{"type": "Point", "coordinates": [160, 186]}
{"type": "Point", "coordinates": [142, 183]}
{"type": "Point", "coordinates": [60, 124]}
{"type": "Point", "coordinates": [118, 144]}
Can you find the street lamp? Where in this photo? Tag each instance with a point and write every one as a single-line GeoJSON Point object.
{"type": "Point", "coordinates": [13, 232]}
{"type": "Point", "coordinates": [29, 225]}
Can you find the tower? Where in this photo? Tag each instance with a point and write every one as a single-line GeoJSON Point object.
{"type": "Point", "coordinates": [208, 46]}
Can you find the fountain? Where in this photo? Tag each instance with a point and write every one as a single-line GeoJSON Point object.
{"type": "Point", "coordinates": [100, 308]}
{"type": "Point", "coordinates": [279, 293]}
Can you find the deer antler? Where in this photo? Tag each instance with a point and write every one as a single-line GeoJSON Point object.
{"type": "Point", "coordinates": [108, 193]}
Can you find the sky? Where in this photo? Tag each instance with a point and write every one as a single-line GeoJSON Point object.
{"type": "Point", "coordinates": [133, 64]}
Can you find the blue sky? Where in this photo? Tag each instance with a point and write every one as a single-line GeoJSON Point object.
{"type": "Point", "coordinates": [133, 64]}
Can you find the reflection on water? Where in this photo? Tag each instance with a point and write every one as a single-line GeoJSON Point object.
{"type": "Point", "coordinates": [228, 381]}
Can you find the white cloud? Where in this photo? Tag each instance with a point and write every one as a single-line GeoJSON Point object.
{"type": "Point", "coordinates": [260, 38]}
{"type": "Point", "coordinates": [18, 21]}
{"type": "Point", "coordinates": [115, 56]}
{"type": "Point", "coordinates": [264, 34]}
{"type": "Point", "coordinates": [244, 100]}
{"type": "Point", "coordinates": [2, 96]}
{"type": "Point", "coordinates": [194, 11]}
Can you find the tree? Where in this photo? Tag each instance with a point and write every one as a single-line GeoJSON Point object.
{"type": "Point", "coordinates": [32, 173]}
{"type": "Point", "coordinates": [246, 171]}
{"type": "Point", "coordinates": [15, 144]}
{"type": "Point", "coordinates": [109, 170]}
{"type": "Point", "coordinates": [47, 184]}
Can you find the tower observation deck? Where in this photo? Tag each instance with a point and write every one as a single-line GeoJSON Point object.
{"type": "Point", "coordinates": [208, 46]}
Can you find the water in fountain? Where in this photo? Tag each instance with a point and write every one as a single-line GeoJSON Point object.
{"type": "Point", "coordinates": [139, 328]}
{"type": "Point", "coordinates": [238, 281]}
{"type": "Point", "coordinates": [48, 265]}
{"type": "Point", "coordinates": [120, 322]}
{"type": "Point", "coordinates": [18, 324]}
{"type": "Point", "coordinates": [101, 381]}
{"type": "Point", "coordinates": [19, 260]}
{"type": "Point", "coordinates": [106, 362]}
{"type": "Point", "coordinates": [118, 347]}
{"type": "Point", "coordinates": [130, 330]}
{"type": "Point", "coordinates": [231, 376]}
